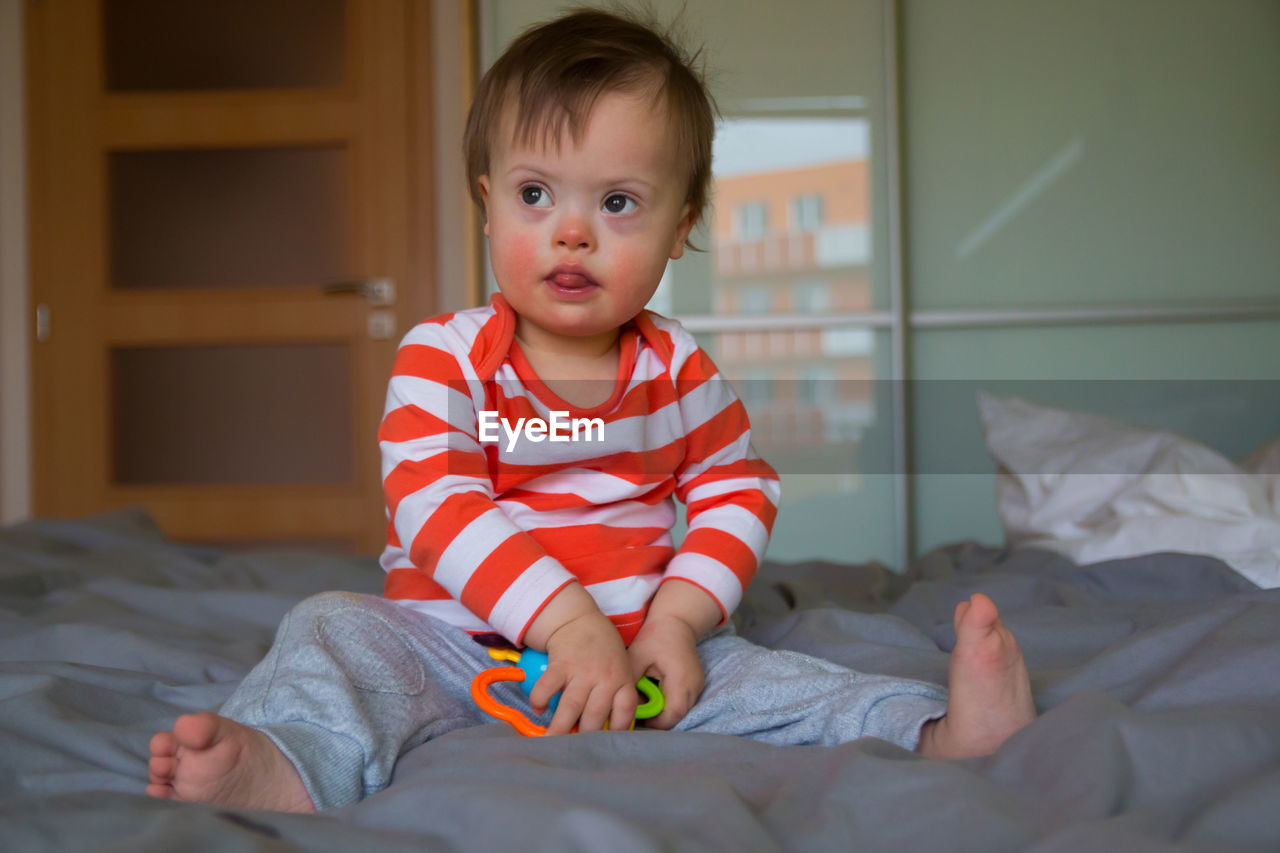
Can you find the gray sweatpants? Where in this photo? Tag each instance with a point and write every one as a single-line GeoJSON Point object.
{"type": "Point", "coordinates": [353, 682]}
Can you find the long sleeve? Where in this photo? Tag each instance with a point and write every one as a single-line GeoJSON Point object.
{"type": "Point", "coordinates": [440, 497]}
{"type": "Point", "coordinates": [731, 494]}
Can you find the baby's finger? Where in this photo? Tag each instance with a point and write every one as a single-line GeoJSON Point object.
{"type": "Point", "coordinates": [596, 711]}
{"type": "Point", "coordinates": [679, 693]}
{"type": "Point", "coordinates": [672, 713]}
{"type": "Point", "coordinates": [568, 712]}
{"type": "Point", "coordinates": [641, 664]}
{"type": "Point", "coordinates": [549, 684]}
{"type": "Point", "coordinates": [624, 710]}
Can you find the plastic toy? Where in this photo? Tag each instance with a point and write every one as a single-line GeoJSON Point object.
{"type": "Point", "coordinates": [529, 667]}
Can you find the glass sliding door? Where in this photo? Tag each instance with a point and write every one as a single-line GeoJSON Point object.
{"type": "Point", "coordinates": [791, 294]}
{"type": "Point", "coordinates": [1090, 194]}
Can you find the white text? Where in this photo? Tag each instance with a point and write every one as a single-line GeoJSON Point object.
{"type": "Point", "coordinates": [561, 427]}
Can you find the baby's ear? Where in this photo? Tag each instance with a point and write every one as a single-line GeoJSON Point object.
{"type": "Point", "coordinates": [483, 183]}
{"type": "Point", "coordinates": [687, 220]}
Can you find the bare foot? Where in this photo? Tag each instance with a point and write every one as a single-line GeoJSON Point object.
{"type": "Point", "coordinates": [210, 759]}
{"type": "Point", "coordinates": [990, 693]}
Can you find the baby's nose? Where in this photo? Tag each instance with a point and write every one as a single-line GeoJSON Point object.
{"type": "Point", "coordinates": [573, 232]}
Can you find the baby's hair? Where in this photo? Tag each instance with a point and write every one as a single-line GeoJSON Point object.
{"type": "Point", "coordinates": [554, 72]}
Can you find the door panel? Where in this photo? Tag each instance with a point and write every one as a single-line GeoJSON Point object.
{"type": "Point", "coordinates": [228, 44]}
{"type": "Point", "coordinates": [299, 432]}
{"type": "Point", "coordinates": [228, 217]}
{"type": "Point", "coordinates": [190, 211]}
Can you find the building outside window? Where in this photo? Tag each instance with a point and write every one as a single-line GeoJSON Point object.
{"type": "Point", "coordinates": [751, 220]}
{"type": "Point", "coordinates": [812, 297]}
{"type": "Point", "coordinates": [806, 212]}
{"type": "Point", "coordinates": [755, 299]}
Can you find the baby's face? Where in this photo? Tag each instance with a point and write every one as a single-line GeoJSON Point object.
{"type": "Point", "coordinates": [579, 236]}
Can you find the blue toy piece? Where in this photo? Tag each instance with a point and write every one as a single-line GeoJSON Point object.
{"type": "Point", "coordinates": [534, 663]}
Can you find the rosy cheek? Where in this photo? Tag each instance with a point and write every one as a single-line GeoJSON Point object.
{"type": "Point", "coordinates": [626, 266]}
{"type": "Point", "coordinates": [635, 267]}
{"type": "Point", "coordinates": [513, 254]}
{"type": "Point", "coordinates": [634, 273]}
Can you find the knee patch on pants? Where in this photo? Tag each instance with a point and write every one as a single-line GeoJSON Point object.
{"type": "Point", "coordinates": [374, 654]}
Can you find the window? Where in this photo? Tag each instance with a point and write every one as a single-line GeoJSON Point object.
{"type": "Point", "coordinates": [813, 297]}
{"type": "Point", "coordinates": [755, 389]}
{"type": "Point", "coordinates": [755, 299]}
{"type": "Point", "coordinates": [806, 212]}
{"type": "Point", "coordinates": [751, 220]}
{"type": "Point", "coordinates": [814, 387]}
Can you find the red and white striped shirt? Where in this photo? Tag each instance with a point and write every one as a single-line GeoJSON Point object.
{"type": "Point", "coordinates": [482, 534]}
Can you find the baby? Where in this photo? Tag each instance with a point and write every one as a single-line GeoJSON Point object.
{"type": "Point", "coordinates": [532, 453]}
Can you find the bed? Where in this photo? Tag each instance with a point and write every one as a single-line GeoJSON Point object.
{"type": "Point", "coordinates": [1157, 677]}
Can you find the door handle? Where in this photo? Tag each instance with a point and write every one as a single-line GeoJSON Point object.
{"type": "Point", "coordinates": [377, 291]}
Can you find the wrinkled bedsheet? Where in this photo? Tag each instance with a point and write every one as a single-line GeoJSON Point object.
{"type": "Point", "coordinates": [1157, 679]}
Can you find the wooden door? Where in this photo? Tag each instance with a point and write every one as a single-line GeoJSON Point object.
{"type": "Point", "coordinates": [230, 229]}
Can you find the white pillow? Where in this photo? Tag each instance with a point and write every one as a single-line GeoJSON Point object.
{"type": "Point", "coordinates": [1265, 462]}
{"type": "Point", "coordinates": [1096, 489]}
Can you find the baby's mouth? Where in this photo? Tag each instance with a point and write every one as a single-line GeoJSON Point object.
{"type": "Point", "coordinates": [570, 280]}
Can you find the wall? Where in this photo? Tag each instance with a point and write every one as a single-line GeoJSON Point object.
{"type": "Point", "coordinates": [449, 119]}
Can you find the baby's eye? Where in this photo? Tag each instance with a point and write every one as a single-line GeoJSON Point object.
{"type": "Point", "coordinates": [619, 203]}
{"type": "Point", "coordinates": [535, 196]}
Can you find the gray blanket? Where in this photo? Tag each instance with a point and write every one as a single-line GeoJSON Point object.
{"type": "Point", "coordinates": [1157, 679]}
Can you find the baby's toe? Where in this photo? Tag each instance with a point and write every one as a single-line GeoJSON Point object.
{"type": "Point", "coordinates": [161, 768]}
{"type": "Point", "coordinates": [163, 743]}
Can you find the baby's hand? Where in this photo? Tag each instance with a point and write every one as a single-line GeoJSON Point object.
{"type": "Point", "coordinates": [588, 666]}
{"type": "Point", "coordinates": [666, 651]}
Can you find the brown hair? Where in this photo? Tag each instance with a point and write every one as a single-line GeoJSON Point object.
{"type": "Point", "coordinates": [555, 72]}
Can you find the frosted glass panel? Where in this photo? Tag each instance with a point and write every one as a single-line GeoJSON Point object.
{"type": "Point", "coordinates": [154, 45]}
{"type": "Point", "coordinates": [231, 415]}
{"type": "Point", "coordinates": [821, 413]}
{"type": "Point", "coordinates": [237, 217]}
{"type": "Point", "coordinates": [281, 548]}
{"type": "Point", "coordinates": [1094, 151]}
{"type": "Point", "coordinates": [745, 43]}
